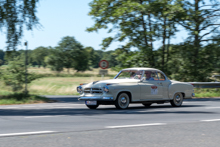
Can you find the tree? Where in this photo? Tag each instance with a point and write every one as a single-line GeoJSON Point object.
{"type": "Point", "coordinates": [201, 19]}
{"type": "Point", "coordinates": [68, 54]}
{"type": "Point", "coordinates": [54, 60]}
{"type": "Point", "coordinates": [166, 27]}
{"type": "Point", "coordinates": [2, 54]}
{"type": "Point", "coordinates": [73, 54]}
{"type": "Point", "coordinates": [39, 54]}
{"type": "Point", "coordinates": [14, 14]}
{"type": "Point", "coordinates": [133, 21]}
{"type": "Point", "coordinates": [93, 56]}
{"type": "Point", "coordinates": [110, 56]}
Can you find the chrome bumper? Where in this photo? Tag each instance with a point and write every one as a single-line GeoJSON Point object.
{"type": "Point", "coordinates": [100, 98]}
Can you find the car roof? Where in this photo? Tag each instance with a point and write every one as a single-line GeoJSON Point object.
{"type": "Point", "coordinates": [141, 68]}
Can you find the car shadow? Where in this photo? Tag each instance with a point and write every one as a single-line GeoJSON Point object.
{"type": "Point", "coordinates": [101, 111]}
{"type": "Point", "coordinates": [132, 109]}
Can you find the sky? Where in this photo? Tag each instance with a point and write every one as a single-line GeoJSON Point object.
{"type": "Point", "coordinates": [67, 18]}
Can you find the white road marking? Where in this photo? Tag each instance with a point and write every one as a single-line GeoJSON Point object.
{"type": "Point", "coordinates": [10, 107]}
{"type": "Point", "coordinates": [44, 116]}
{"type": "Point", "coordinates": [45, 106]}
{"type": "Point", "coordinates": [153, 110]}
{"type": "Point", "coordinates": [212, 108]}
{"type": "Point", "coordinates": [65, 107]}
{"type": "Point", "coordinates": [138, 125]}
{"type": "Point", "coordinates": [26, 133]}
{"type": "Point", "coordinates": [211, 120]}
{"type": "Point", "coordinates": [28, 106]}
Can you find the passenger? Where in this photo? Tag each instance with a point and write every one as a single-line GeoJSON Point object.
{"type": "Point", "coordinates": [133, 74]}
{"type": "Point", "coordinates": [139, 75]}
{"type": "Point", "coordinates": [148, 75]}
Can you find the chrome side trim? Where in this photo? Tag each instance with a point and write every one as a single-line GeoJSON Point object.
{"type": "Point", "coordinates": [96, 98]}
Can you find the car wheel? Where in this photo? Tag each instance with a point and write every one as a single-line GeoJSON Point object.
{"type": "Point", "coordinates": [147, 104]}
{"type": "Point", "coordinates": [92, 106]}
{"type": "Point", "coordinates": [177, 100]}
{"type": "Point", "coordinates": [122, 101]}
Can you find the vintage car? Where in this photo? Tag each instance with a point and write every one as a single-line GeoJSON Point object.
{"type": "Point", "coordinates": [135, 85]}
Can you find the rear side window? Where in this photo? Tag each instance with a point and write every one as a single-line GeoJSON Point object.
{"type": "Point", "coordinates": [161, 76]}
{"type": "Point", "coordinates": [150, 75]}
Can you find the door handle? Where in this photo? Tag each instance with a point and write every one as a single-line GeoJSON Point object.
{"type": "Point", "coordinates": [160, 83]}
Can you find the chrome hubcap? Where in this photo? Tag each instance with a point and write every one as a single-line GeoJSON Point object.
{"type": "Point", "coordinates": [178, 98]}
{"type": "Point", "coordinates": [123, 100]}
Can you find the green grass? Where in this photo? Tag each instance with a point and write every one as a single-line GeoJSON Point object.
{"type": "Point", "coordinates": [59, 85]}
{"type": "Point", "coordinates": [20, 98]}
{"type": "Point", "coordinates": [65, 83]}
{"type": "Point", "coordinates": [207, 92]}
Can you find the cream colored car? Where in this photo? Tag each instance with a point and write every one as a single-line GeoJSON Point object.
{"type": "Point", "coordinates": [135, 85]}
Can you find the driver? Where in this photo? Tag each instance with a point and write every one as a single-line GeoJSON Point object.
{"type": "Point", "coordinates": [148, 75]}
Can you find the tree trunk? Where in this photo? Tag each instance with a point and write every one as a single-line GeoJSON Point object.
{"type": "Point", "coordinates": [196, 40]}
{"type": "Point", "coordinates": [145, 35]}
{"type": "Point", "coordinates": [168, 44]}
{"type": "Point", "coordinates": [163, 42]}
{"type": "Point", "coordinates": [151, 42]}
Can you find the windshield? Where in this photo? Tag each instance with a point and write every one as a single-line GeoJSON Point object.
{"type": "Point", "coordinates": [130, 74]}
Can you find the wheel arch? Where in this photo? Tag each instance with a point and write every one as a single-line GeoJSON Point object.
{"type": "Point", "coordinates": [183, 94]}
{"type": "Point", "coordinates": [127, 92]}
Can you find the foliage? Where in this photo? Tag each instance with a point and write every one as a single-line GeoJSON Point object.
{"type": "Point", "coordinates": [2, 54]}
{"type": "Point", "coordinates": [14, 74]}
{"type": "Point", "coordinates": [39, 54]}
{"type": "Point", "coordinates": [138, 22]}
{"type": "Point", "coordinates": [94, 57]}
{"type": "Point", "coordinates": [142, 22]}
{"type": "Point", "coordinates": [69, 54]}
{"type": "Point", "coordinates": [14, 14]}
{"type": "Point", "coordinates": [54, 60]}
{"type": "Point", "coordinates": [1, 62]}
{"type": "Point", "coordinates": [200, 18]}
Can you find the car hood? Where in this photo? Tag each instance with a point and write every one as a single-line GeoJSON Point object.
{"type": "Point", "coordinates": [111, 81]}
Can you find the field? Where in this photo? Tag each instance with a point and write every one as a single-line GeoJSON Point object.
{"type": "Point", "coordinates": [59, 85]}
{"type": "Point", "coordinates": [54, 83]}
{"type": "Point", "coordinates": [65, 83]}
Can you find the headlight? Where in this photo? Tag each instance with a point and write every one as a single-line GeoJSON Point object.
{"type": "Point", "coordinates": [106, 89]}
{"type": "Point", "coordinates": [79, 89]}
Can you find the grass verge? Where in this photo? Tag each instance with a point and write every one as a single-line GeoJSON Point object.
{"type": "Point", "coordinates": [206, 92]}
{"type": "Point", "coordinates": [20, 98]}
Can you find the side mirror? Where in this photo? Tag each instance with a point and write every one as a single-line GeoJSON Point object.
{"type": "Point", "coordinates": [142, 79]}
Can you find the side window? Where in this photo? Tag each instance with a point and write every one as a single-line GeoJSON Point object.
{"type": "Point", "coordinates": [161, 76]}
{"type": "Point", "coordinates": [150, 75]}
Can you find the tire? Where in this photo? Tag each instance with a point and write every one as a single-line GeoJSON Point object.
{"type": "Point", "coordinates": [122, 102]}
{"type": "Point", "coordinates": [92, 106]}
{"type": "Point", "coordinates": [177, 100]}
{"type": "Point", "coordinates": [147, 104]}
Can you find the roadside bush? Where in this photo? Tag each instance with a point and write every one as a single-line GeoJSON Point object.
{"type": "Point", "coordinates": [14, 75]}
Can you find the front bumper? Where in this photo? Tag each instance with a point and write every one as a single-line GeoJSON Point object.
{"type": "Point", "coordinates": [96, 98]}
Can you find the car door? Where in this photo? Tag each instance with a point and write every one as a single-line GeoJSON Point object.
{"type": "Point", "coordinates": [151, 89]}
{"type": "Point", "coordinates": [164, 82]}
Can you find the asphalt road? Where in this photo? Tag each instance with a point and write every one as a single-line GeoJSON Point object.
{"type": "Point", "coordinates": [70, 123]}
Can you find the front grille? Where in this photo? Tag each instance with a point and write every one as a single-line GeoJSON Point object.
{"type": "Point", "coordinates": [92, 90]}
